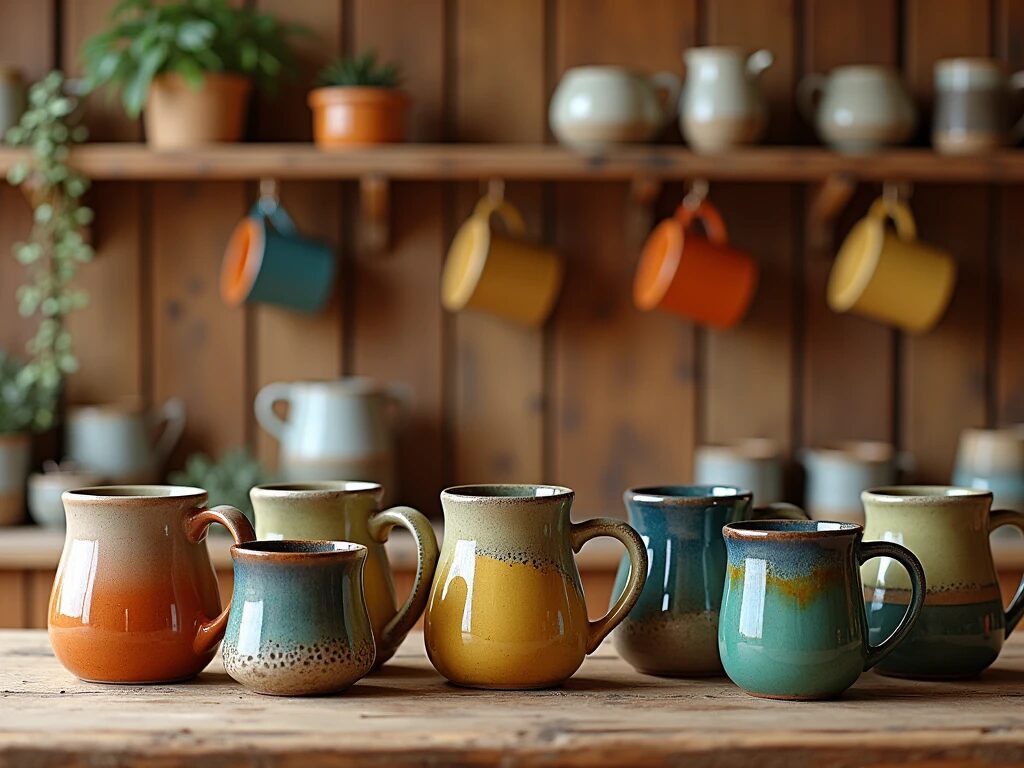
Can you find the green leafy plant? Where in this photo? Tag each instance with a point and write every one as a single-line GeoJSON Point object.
{"type": "Point", "coordinates": [189, 38]}
{"type": "Point", "coordinates": [360, 71]}
{"type": "Point", "coordinates": [56, 245]}
{"type": "Point", "coordinates": [227, 480]}
{"type": "Point", "coordinates": [19, 398]}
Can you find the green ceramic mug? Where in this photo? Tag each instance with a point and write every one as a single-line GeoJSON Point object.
{"type": "Point", "coordinates": [267, 261]}
{"type": "Point", "coordinates": [792, 623]}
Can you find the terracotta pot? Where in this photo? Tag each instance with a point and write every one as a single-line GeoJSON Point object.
{"type": "Point", "coordinates": [178, 115]}
{"type": "Point", "coordinates": [352, 116]}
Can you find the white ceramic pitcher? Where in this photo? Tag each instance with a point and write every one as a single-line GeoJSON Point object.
{"type": "Point", "coordinates": [341, 429]}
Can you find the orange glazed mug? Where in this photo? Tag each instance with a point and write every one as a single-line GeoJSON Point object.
{"type": "Point", "coordinates": [136, 598]}
{"type": "Point", "coordinates": [700, 278]}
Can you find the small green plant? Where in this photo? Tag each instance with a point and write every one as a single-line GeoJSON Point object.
{"type": "Point", "coordinates": [190, 38]}
{"type": "Point", "coordinates": [56, 246]}
{"type": "Point", "coordinates": [19, 398]}
{"type": "Point", "coordinates": [227, 481]}
{"type": "Point", "coordinates": [360, 71]}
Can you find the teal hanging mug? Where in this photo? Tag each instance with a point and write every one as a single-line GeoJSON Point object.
{"type": "Point", "coordinates": [268, 262]}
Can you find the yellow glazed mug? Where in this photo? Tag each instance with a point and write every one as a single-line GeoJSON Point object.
{"type": "Point", "coordinates": [889, 275]}
{"type": "Point", "coordinates": [497, 271]}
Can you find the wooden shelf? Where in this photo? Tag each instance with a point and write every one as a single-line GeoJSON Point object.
{"type": "Point", "coordinates": [530, 161]}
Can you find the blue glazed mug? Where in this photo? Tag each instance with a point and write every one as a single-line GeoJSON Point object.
{"type": "Point", "coordinates": [298, 623]}
{"type": "Point", "coordinates": [793, 624]}
{"type": "Point", "coordinates": [267, 261]}
{"type": "Point", "coordinates": [673, 629]}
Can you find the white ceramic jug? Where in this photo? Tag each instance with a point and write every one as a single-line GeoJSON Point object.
{"type": "Point", "coordinates": [722, 105]}
{"type": "Point", "coordinates": [342, 429]}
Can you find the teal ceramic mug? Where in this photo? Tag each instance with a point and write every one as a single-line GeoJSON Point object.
{"type": "Point", "coordinates": [267, 261]}
{"type": "Point", "coordinates": [298, 623]}
{"type": "Point", "coordinates": [792, 624]}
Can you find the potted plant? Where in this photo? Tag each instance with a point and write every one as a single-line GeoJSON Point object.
{"type": "Point", "coordinates": [188, 66]}
{"type": "Point", "coordinates": [18, 412]}
{"type": "Point", "coordinates": [358, 103]}
{"type": "Point", "coordinates": [228, 480]}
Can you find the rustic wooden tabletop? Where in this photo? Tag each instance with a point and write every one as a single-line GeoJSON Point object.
{"type": "Point", "coordinates": [407, 715]}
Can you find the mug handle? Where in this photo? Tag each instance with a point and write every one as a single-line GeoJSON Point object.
{"type": "Point", "coordinates": [708, 215]}
{"type": "Point", "coordinates": [266, 398]}
{"type": "Point", "coordinates": [900, 214]}
{"type": "Point", "coordinates": [780, 510]}
{"type": "Point", "coordinates": [668, 85]}
{"type": "Point", "coordinates": [275, 213]}
{"type": "Point", "coordinates": [1017, 84]}
{"type": "Point", "coordinates": [807, 94]}
{"type": "Point", "coordinates": [759, 61]}
{"type": "Point", "coordinates": [506, 213]}
{"type": "Point", "coordinates": [172, 416]}
{"type": "Point", "coordinates": [908, 560]}
{"type": "Point", "coordinates": [580, 534]}
{"type": "Point", "coordinates": [212, 632]}
{"type": "Point", "coordinates": [416, 523]}
{"type": "Point", "coordinates": [998, 519]}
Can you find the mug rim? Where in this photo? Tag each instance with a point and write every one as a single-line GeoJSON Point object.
{"type": "Point", "coordinates": [761, 530]}
{"type": "Point", "coordinates": [292, 551]}
{"type": "Point", "coordinates": [314, 489]}
{"type": "Point", "coordinates": [749, 448]}
{"type": "Point", "coordinates": [669, 495]}
{"type": "Point", "coordinates": [480, 492]}
{"type": "Point", "coordinates": [932, 494]}
{"type": "Point", "coordinates": [145, 491]}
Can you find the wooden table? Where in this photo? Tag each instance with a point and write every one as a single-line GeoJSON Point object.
{"type": "Point", "coordinates": [406, 715]}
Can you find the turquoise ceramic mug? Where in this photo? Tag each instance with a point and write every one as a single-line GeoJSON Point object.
{"type": "Point", "coordinates": [298, 623]}
{"type": "Point", "coordinates": [792, 624]}
{"type": "Point", "coordinates": [267, 261]}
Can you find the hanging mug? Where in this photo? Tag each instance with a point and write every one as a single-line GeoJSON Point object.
{"type": "Point", "coordinates": [267, 261]}
{"type": "Point", "coordinates": [701, 278]}
{"type": "Point", "coordinates": [495, 270]}
{"type": "Point", "coordinates": [889, 275]}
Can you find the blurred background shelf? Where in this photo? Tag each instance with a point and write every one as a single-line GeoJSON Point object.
{"type": "Point", "coordinates": [135, 161]}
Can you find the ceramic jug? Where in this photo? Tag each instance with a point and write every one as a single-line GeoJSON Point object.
{"type": "Point", "coordinates": [962, 625]}
{"type": "Point", "coordinates": [595, 107]}
{"type": "Point", "coordinates": [506, 610]}
{"type": "Point", "coordinates": [340, 429]}
{"type": "Point", "coordinates": [136, 599]}
{"type": "Point", "coordinates": [722, 104]}
{"type": "Point", "coordinates": [125, 443]}
{"type": "Point", "coordinates": [837, 474]}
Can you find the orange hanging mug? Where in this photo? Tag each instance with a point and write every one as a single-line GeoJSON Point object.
{"type": "Point", "coordinates": [701, 278]}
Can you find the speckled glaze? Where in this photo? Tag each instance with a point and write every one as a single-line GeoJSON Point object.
{"type": "Point", "coordinates": [506, 610]}
{"type": "Point", "coordinates": [962, 625]}
{"type": "Point", "coordinates": [298, 624]}
{"type": "Point", "coordinates": [673, 629]}
{"type": "Point", "coordinates": [351, 511]}
{"type": "Point", "coordinates": [135, 599]}
{"type": "Point", "coordinates": [792, 623]}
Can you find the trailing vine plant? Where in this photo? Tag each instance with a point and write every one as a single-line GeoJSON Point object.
{"type": "Point", "coordinates": [56, 245]}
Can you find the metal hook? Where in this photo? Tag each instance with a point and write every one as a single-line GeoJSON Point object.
{"type": "Point", "coordinates": [496, 190]}
{"type": "Point", "coordinates": [895, 192]}
{"type": "Point", "coordinates": [698, 194]}
{"type": "Point", "coordinates": [269, 199]}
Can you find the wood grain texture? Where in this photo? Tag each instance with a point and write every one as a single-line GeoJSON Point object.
{"type": "Point", "coordinates": [498, 368]}
{"type": "Point", "coordinates": [406, 715]}
{"type": "Point", "coordinates": [848, 382]}
{"type": "Point", "coordinates": [13, 600]}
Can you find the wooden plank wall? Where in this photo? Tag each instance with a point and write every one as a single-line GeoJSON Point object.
{"type": "Point", "coordinates": [605, 397]}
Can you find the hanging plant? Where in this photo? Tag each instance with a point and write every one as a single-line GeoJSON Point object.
{"type": "Point", "coordinates": [56, 245]}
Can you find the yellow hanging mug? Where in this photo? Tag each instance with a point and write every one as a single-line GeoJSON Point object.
{"type": "Point", "coordinates": [889, 275]}
{"type": "Point", "coordinates": [498, 272]}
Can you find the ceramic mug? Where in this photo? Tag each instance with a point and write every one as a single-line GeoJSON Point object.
{"type": "Point", "coordinates": [972, 106]}
{"type": "Point", "coordinates": [506, 610]}
{"type": "Point", "coordinates": [298, 623]}
{"type": "Point", "coordinates": [15, 460]}
{"type": "Point", "coordinates": [596, 107]}
{"type": "Point", "coordinates": [673, 629]}
{"type": "Point", "coordinates": [754, 463]}
{"type": "Point", "coordinates": [891, 276]}
{"type": "Point", "coordinates": [859, 108]}
{"type": "Point", "coordinates": [722, 105]}
{"type": "Point", "coordinates": [351, 511]}
{"type": "Point", "coordinates": [792, 623]}
{"type": "Point", "coordinates": [136, 599]}
{"type": "Point", "coordinates": [993, 460]}
{"type": "Point", "coordinates": [962, 626]}
{"type": "Point", "coordinates": [267, 261]}
{"type": "Point", "coordinates": [838, 473]}
{"type": "Point", "coordinates": [701, 278]}
{"type": "Point", "coordinates": [45, 491]}
{"type": "Point", "coordinates": [495, 270]}
{"type": "Point", "coordinates": [124, 443]}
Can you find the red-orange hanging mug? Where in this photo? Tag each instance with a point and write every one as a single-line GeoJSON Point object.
{"type": "Point", "coordinates": [701, 278]}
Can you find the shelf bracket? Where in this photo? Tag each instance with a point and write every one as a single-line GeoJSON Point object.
{"type": "Point", "coordinates": [643, 191]}
{"type": "Point", "coordinates": [374, 233]}
{"type": "Point", "coordinates": [830, 197]}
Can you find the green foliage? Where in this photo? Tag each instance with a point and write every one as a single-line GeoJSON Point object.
{"type": "Point", "coordinates": [19, 396]}
{"type": "Point", "coordinates": [228, 481]}
{"type": "Point", "coordinates": [190, 38]}
{"type": "Point", "coordinates": [56, 246]}
{"type": "Point", "coordinates": [360, 71]}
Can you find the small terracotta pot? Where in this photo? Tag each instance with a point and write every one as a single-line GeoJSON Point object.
{"type": "Point", "coordinates": [178, 115]}
{"type": "Point", "coordinates": [352, 116]}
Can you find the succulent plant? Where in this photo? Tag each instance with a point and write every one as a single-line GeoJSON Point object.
{"type": "Point", "coordinates": [361, 72]}
{"type": "Point", "coordinates": [227, 479]}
